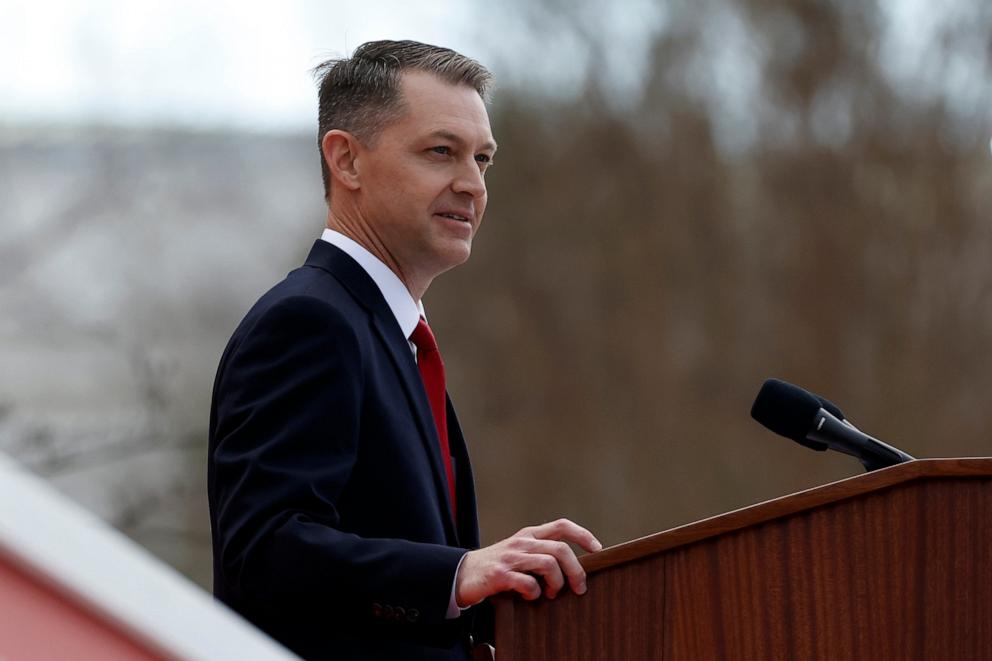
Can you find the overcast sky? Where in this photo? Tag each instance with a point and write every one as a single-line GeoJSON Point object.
{"type": "Point", "coordinates": [237, 64]}
{"type": "Point", "coordinates": [186, 62]}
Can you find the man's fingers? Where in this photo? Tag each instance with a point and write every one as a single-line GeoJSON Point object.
{"type": "Point", "coordinates": [566, 560]}
{"type": "Point", "coordinates": [544, 565]}
{"type": "Point", "coordinates": [563, 529]}
{"type": "Point", "coordinates": [588, 542]}
{"type": "Point", "coordinates": [526, 585]}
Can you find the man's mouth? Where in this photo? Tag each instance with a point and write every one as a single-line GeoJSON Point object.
{"type": "Point", "coordinates": [453, 216]}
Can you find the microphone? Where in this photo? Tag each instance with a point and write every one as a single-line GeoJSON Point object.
{"type": "Point", "coordinates": [828, 406]}
{"type": "Point", "coordinates": [817, 423]}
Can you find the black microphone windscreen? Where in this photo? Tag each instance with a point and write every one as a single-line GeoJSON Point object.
{"type": "Point", "coordinates": [785, 409]}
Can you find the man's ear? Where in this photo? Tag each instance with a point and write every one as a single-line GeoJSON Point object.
{"type": "Point", "coordinates": [340, 150]}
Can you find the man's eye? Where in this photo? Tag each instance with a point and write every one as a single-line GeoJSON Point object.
{"type": "Point", "coordinates": [440, 149]}
{"type": "Point", "coordinates": [484, 158]}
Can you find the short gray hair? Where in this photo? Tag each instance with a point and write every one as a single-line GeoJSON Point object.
{"type": "Point", "coordinates": [361, 94]}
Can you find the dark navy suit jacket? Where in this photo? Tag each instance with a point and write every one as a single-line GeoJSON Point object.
{"type": "Point", "coordinates": [331, 525]}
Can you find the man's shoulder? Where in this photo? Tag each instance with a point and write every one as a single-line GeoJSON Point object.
{"type": "Point", "coordinates": [306, 291]}
{"type": "Point", "coordinates": [313, 283]}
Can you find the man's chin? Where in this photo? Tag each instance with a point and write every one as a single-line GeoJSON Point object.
{"type": "Point", "coordinates": [455, 254]}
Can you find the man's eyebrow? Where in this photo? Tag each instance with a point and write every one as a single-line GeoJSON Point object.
{"type": "Point", "coordinates": [490, 145]}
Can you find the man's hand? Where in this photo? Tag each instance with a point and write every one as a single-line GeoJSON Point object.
{"type": "Point", "coordinates": [514, 564]}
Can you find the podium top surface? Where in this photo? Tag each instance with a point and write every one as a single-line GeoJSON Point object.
{"type": "Point", "coordinates": [784, 506]}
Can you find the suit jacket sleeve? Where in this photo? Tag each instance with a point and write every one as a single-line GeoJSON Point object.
{"type": "Point", "coordinates": [288, 403]}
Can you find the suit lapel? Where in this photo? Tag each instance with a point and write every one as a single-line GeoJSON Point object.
{"type": "Point", "coordinates": [361, 286]}
{"type": "Point", "coordinates": [468, 517]}
{"type": "Point", "coordinates": [404, 362]}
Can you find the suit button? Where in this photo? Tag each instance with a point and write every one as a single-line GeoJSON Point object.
{"type": "Point", "coordinates": [412, 615]}
{"type": "Point", "coordinates": [376, 610]}
{"type": "Point", "coordinates": [399, 613]}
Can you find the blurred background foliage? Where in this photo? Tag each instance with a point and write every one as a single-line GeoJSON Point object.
{"type": "Point", "coordinates": [689, 197]}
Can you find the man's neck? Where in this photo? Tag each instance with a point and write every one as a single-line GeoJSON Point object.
{"type": "Point", "coordinates": [362, 234]}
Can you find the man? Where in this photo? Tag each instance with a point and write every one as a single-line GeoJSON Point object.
{"type": "Point", "coordinates": [341, 495]}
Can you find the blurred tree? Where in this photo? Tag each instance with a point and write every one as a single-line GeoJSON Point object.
{"type": "Point", "coordinates": [641, 272]}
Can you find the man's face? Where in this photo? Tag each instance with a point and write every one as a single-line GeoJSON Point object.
{"type": "Point", "coordinates": [422, 189]}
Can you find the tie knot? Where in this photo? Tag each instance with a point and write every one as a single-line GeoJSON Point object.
{"type": "Point", "coordinates": [423, 338]}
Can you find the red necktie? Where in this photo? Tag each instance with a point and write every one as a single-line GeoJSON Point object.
{"type": "Point", "coordinates": [432, 373]}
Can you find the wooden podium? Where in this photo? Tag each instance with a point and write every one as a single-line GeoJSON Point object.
{"type": "Point", "coordinates": [893, 564]}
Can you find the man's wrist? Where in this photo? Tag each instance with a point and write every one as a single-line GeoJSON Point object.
{"type": "Point", "coordinates": [454, 610]}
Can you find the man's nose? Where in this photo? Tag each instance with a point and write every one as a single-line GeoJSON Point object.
{"type": "Point", "coordinates": [470, 180]}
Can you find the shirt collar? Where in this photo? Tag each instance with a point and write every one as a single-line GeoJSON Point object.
{"type": "Point", "coordinates": [406, 310]}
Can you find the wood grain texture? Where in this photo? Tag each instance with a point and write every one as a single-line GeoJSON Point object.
{"type": "Point", "coordinates": [771, 509]}
{"type": "Point", "coordinates": [895, 564]}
